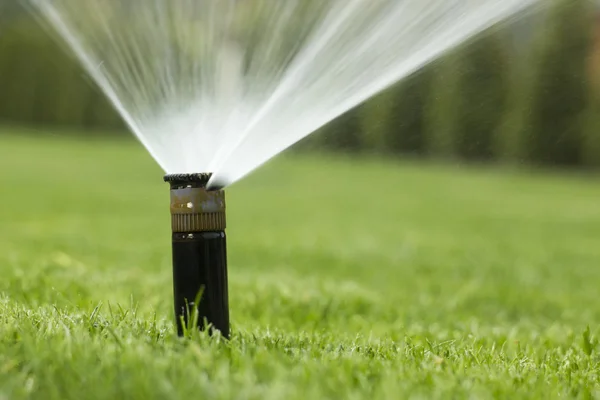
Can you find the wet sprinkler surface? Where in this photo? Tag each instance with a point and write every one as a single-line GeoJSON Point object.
{"type": "Point", "coordinates": [487, 293]}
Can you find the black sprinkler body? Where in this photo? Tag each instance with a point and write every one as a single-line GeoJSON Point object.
{"type": "Point", "coordinates": [199, 252]}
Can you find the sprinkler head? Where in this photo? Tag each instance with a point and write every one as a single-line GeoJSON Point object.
{"type": "Point", "coordinates": [199, 253]}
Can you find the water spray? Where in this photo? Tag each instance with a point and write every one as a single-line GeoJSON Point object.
{"type": "Point", "coordinates": [225, 86]}
{"type": "Point", "coordinates": [199, 249]}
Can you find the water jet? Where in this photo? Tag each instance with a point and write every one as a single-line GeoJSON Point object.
{"type": "Point", "coordinates": [199, 251]}
{"type": "Point", "coordinates": [225, 86]}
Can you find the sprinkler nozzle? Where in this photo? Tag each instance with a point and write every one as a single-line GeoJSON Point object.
{"type": "Point", "coordinates": [215, 185]}
{"type": "Point", "coordinates": [199, 252]}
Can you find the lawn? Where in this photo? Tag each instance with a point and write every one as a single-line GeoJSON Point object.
{"type": "Point", "coordinates": [349, 278]}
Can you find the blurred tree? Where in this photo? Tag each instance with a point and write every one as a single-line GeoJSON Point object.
{"type": "Point", "coordinates": [468, 99]}
{"type": "Point", "coordinates": [18, 84]}
{"type": "Point", "coordinates": [41, 83]}
{"type": "Point", "coordinates": [375, 115]}
{"type": "Point", "coordinates": [591, 133]}
{"type": "Point", "coordinates": [591, 144]}
{"type": "Point", "coordinates": [511, 142]}
{"type": "Point", "coordinates": [99, 112]}
{"type": "Point", "coordinates": [471, 91]}
{"type": "Point", "coordinates": [393, 121]}
{"type": "Point", "coordinates": [344, 133]}
{"type": "Point", "coordinates": [559, 91]}
{"type": "Point", "coordinates": [484, 79]}
{"type": "Point", "coordinates": [442, 114]}
{"type": "Point", "coordinates": [405, 128]}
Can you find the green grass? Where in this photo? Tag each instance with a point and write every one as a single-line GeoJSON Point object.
{"type": "Point", "coordinates": [348, 279]}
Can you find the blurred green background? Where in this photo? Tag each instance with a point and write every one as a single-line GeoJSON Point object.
{"type": "Point", "coordinates": [526, 92]}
